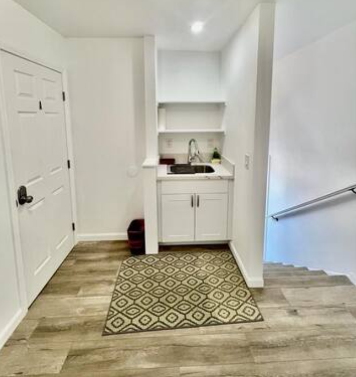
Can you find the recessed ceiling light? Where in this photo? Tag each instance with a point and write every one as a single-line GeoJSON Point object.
{"type": "Point", "coordinates": [197, 27]}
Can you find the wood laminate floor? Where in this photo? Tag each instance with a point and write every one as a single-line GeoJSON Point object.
{"type": "Point", "coordinates": [309, 329]}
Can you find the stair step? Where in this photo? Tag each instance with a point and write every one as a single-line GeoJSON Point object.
{"type": "Point", "coordinates": [294, 272]}
{"type": "Point", "coordinates": [278, 265]}
{"type": "Point", "coordinates": [306, 281]}
{"type": "Point", "coordinates": [269, 264]}
{"type": "Point", "coordinates": [284, 268]}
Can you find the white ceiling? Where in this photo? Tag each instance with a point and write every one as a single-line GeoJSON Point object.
{"type": "Point", "coordinates": [169, 20]}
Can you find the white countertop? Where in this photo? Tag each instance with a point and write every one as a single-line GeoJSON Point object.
{"type": "Point", "coordinates": [220, 172]}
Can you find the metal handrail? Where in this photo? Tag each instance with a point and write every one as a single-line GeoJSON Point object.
{"type": "Point", "coordinates": [275, 216]}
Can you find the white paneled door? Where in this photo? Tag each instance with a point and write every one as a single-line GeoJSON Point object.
{"type": "Point", "coordinates": [36, 122]}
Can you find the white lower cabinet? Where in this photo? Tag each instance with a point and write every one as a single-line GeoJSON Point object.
{"type": "Point", "coordinates": [193, 216]}
{"type": "Point", "coordinates": [211, 217]}
{"type": "Point", "coordinates": [178, 217]}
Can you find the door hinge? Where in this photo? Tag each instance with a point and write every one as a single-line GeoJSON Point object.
{"type": "Point", "coordinates": [68, 164]}
{"type": "Point", "coordinates": [40, 105]}
{"type": "Point", "coordinates": [73, 227]}
{"type": "Point", "coordinates": [64, 96]}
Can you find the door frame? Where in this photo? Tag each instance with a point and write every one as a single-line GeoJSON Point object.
{"type": "Point", "coordinates": [9, 167]}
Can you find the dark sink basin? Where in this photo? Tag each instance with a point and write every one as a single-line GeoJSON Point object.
{"type": "Point", "coordinates": [203, 169]}
{"type": "Point", "coordinates": [189, 169]}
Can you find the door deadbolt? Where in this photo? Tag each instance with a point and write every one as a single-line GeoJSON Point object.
{"type": "Point", "coordinates": [22, 196]}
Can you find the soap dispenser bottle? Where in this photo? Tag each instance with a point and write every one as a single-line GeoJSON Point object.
{"type": "Point", "coordinates": [216, 158]}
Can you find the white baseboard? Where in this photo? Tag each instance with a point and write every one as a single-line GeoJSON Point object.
{"type": "Point", "coordinates": [11, 326]}
{"type": "Point", "coordinates": [250, 281]}
{"type": "Point", "coordinates": [352, 277]}
{"type": "Point", "coordinates": [102, 237]}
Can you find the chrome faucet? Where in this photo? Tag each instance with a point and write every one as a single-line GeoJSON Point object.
{"type": "Point", "coordinates": [193, 153]}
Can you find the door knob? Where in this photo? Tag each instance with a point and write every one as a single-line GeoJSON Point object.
{"type": "Point", "coordinates": [22, 196]}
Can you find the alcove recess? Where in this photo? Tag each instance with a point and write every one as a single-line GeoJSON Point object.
{"type": "Point", "coordinates": [190, 102]}
{"type": "Point", "coordinates": [178, 122]}
{"type": "Point", "coordinates": [176, 117]}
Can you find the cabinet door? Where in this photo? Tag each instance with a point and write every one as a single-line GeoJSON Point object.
{"type": "Point", "coordinates": [177, 220]}
{"type": "Point", "coordinates": [211, 217]}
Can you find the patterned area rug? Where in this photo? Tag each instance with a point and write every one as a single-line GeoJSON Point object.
{"type": "Point", "coordinates": [174, 290]}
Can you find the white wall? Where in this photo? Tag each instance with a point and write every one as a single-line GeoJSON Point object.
{"type": "Point", "coordinates": [247, 72]}
{"type": "Point", "coordinates": [151, 161]}
{"type": "Point", "coordinates": [188, 76]}
{"type": "Point", "coordinates": [106, 83]}
{"type": "Point", "coordinates": [313, 134]}
{"type": "Point", "coordinates": [23, 33]}
{"type": "Point", "coordinates": [178, 143]}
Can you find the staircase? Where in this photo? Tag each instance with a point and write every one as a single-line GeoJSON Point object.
{"type": "Point", "coordinates": [278, 275]}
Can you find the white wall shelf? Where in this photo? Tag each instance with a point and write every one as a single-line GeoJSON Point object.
{"type": "Point", "coordinates": [182, 102]}
{"type": "Point", "coordinates": [192, 131]}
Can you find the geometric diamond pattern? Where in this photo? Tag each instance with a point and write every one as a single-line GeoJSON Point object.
{"type": "Point", "coordinates": [175, 290]}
